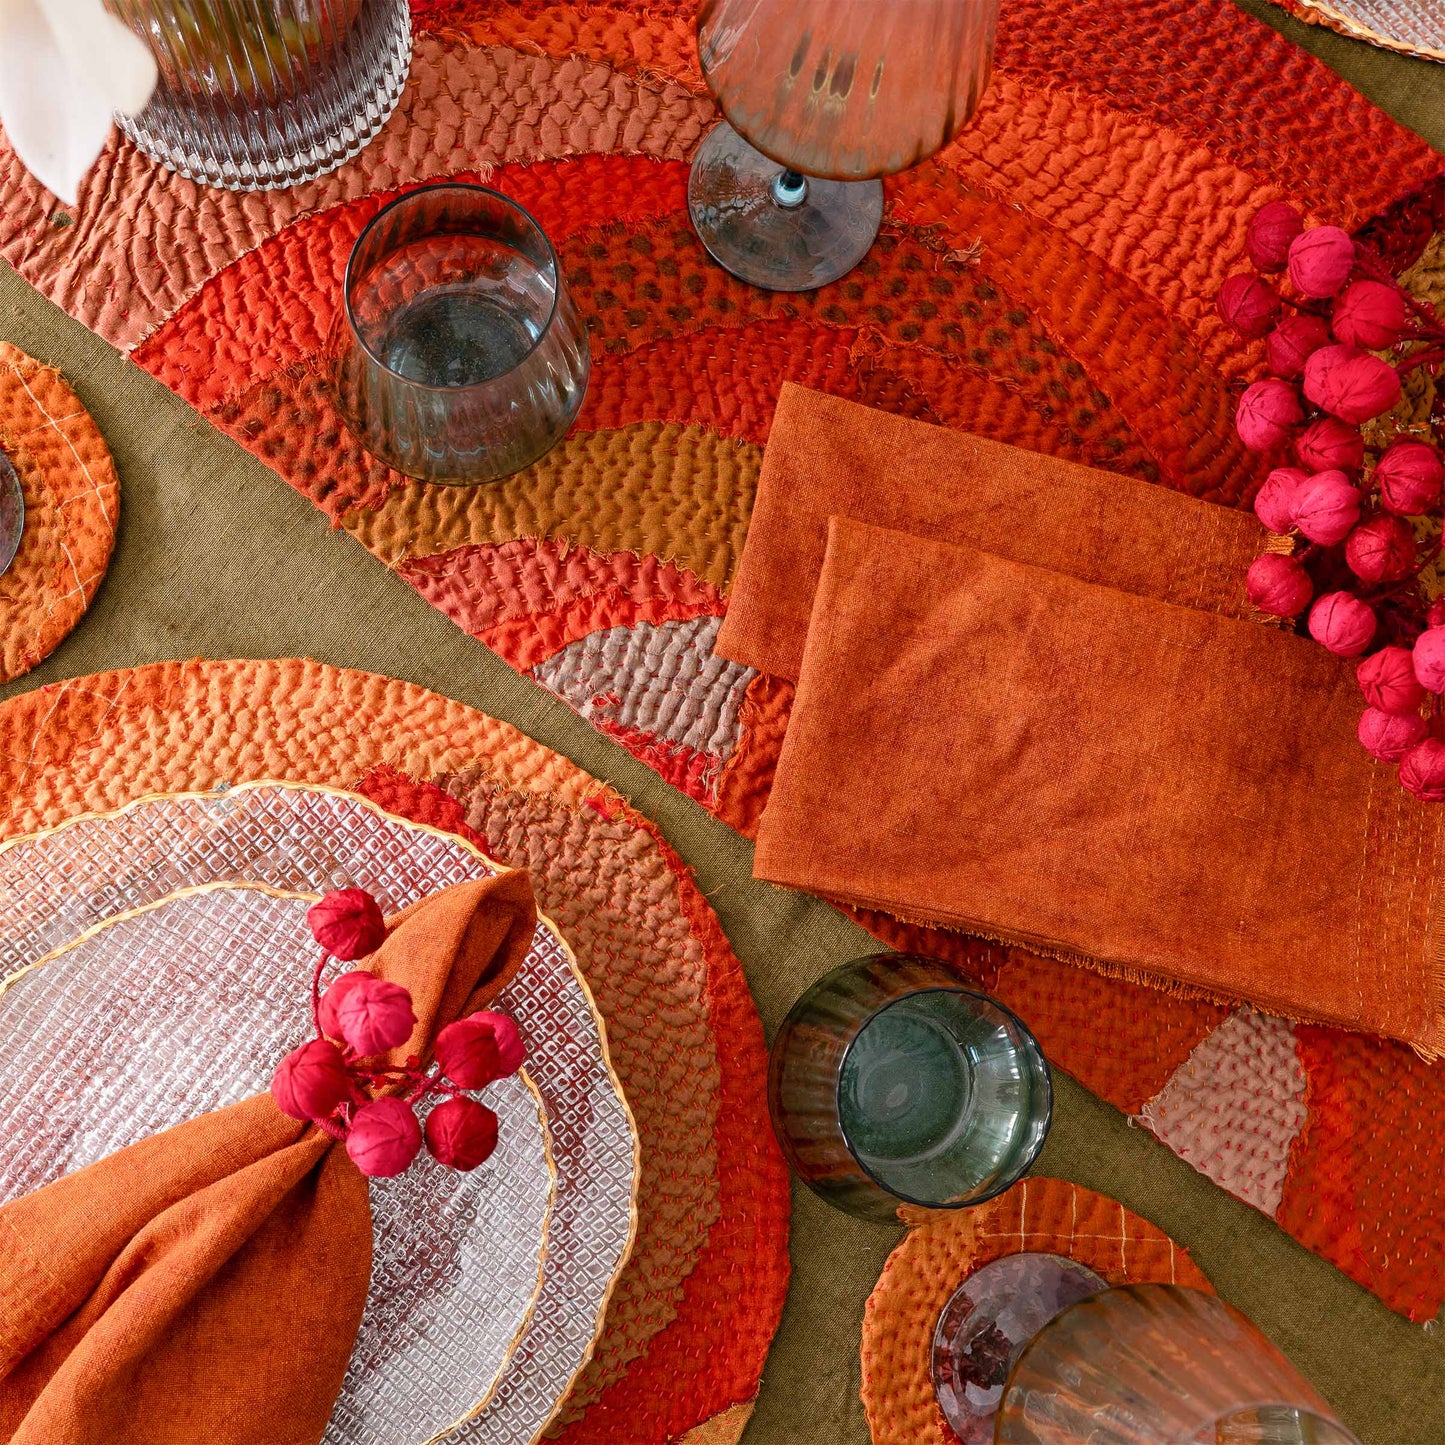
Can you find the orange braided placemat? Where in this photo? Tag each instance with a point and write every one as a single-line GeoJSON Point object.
{"type": "Point", "coordinates": [693, 1313]}
{"type": "Point", "coordinates": [1048, 1216]}
{"type": "Point", "coordinates": [1047, 280]}
{"type": "Point", "coordinates": [72, 507]}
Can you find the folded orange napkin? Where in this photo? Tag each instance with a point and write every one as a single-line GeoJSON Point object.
{"type": "Point", "coordinates": [1158, 790]}
{"type": "Point", "coordinates": [206, 1284]}
{"type": "Point", "coordinates": [827, 457]}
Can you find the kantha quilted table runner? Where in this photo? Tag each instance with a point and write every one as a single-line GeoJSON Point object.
{"type": "Point", "coordinates": [1047, 280]}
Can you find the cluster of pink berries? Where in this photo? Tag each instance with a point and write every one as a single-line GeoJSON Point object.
{"type": "Point", "coordinates": [340, 1082]}
{"type": "Point", "coordinates": [1347, 507]}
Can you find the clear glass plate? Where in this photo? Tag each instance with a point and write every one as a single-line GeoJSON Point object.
{"type": "Point", "coordinates": [177, 895]}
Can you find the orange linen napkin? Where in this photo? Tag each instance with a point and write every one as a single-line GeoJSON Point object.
{"type": "Point", "coordinates": [828, 457]}
{"type": "Point", "coordinates": [1157, 790]}
{"type": "Point", "coordinates": [206, 1284]}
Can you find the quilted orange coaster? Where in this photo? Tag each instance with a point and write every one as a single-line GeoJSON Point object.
{"type": "Point", "coordinates": [72, 505]}
{"type": "Point", "coordinates": [1049, 1216]}
{"type": "Point", "coordinates": [691, 1316]}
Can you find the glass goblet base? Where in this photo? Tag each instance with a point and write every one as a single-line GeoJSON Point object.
{"type": "Point", "coordinates": [772, 227]}
{"type": "Point", "coordinates": [12, 512]}
{"type": "Point", "coordinates": [987, 1323]}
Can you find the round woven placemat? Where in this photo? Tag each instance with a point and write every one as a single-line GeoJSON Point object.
{"type": "Point", "coordinates": [1413, 27]}
{"type": "Point", "coordinates": [1050, 1216]}
{"type": "Point", "coordinates": [693, 1313]}
{"type": "Point", "coordinates": [72, 506]}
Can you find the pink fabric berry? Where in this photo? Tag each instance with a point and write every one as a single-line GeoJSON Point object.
{"type": "Point", "coordinates": [1422, 771]}
{"type": "Point", "coordinates": [1389, 736]}
{"type": "Point", "coordinates": [1429, 659]}
{"type": "Point", "coordinates": [347, 923]}
{"type": "Point", "coordinates": [311, 1081]}
{"type": "Point", "coordinates": [1267, 413]}
{"type": "Point", "coordinates": [1351, 384]}
{"type": "Point", "coordinates": [1330, 445]}
{"type": "Point", "coordinates": [1387, 679]}
{"type": "Point", "coordinates": [1369, 314]}
{"type": "Point", "coordinates": [1409, 475]}
{"type": "Point", "coordinates": [1342, 623]}
{"type": "Point", "coordinates": [1248, 304]}
{"type": "Point", "coordinates": [1274, 503]}
{"type": "Point", "coordinates": [461, 1133]}
{"type": "Point", "coordinates": [331, 1000]}
{"type": "Point", "coordinates": [1278, 585]}
{"type": "Point", "coordinates": [510, 1048]}
{"type": "Point", "coordinates": [1293, 342]}
{"type": "Point", "coordinates": [384, 1138]}
{"type": "Point", "coordinates": [1320, 260]}
{"type": "Point", "coordinates": [375, 1015]}
{"type": "Point", "coordinates": [1269, 235]}
{"type": "Point", "coordinates": [468, 1054]}
{"type": "Point", "coordinates": [1381, 550]}
{"type": "Point", "coordinates": [1326, 507]}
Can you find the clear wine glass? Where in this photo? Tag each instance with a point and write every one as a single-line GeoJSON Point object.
{"type": "Point", "coordinates": [890, 1084]}
{"type": "Point", "coordinates": [822, 97]}
{"type": "Point", "coordinates": [458, 355]}
{"type": "Point", "coordinates": [1157, 1364]}
{"type": "Point", "coordinates": [12, 513]}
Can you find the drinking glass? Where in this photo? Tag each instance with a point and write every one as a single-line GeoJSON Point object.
{"type": "Point", "coordinates": [261, 93]}
{"type": "Point", "coordinates": [821, 98]}
{"type": "Point", "coordinates": [1156, 1364]}
{"type": "Point", "coordinates": [985, 1327]}
{"type": "Point", "coordinates": [458, 355]}
{"type": "Point", "coordinates": [12, 513]}
{"type": "Point", "coordinates": [890, 1084]}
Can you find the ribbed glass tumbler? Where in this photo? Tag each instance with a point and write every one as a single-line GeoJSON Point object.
{"type": "Point", "coordinates": [889, 1084]}
{"type": "Point", "coordinates": [1157, 1364]}
{"type": "Point", "coordinates": [457, 354]}
{"type": "Point", "coordinates": [257, 94]}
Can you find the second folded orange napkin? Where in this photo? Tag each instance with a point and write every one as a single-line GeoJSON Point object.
{"type": "Point", "coordinates": [1158, 790]}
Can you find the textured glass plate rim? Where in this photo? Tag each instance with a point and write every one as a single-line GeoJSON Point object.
{"type": "Point", "coordinates": [241, 885]}
{"type": "Point", "coordinates": [1353, 26]}
{"type": "Point", "coordinates": [224, 791]}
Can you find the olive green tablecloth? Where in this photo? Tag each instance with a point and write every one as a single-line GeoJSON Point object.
{"type": "Point", "coordinates": [217, 558]}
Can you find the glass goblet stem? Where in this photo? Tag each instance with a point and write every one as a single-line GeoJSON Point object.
{"type": "Point", "coordinates": [790, 189]}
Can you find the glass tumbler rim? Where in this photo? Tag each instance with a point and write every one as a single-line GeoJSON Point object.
{"type": "Point", "coordinates": [428, 188]}
{"type": "Point", "coordinates": [1007, 1180]}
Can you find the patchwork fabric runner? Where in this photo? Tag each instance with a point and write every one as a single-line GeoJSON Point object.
{"type": "Point", "coordinates": [1047, 281]}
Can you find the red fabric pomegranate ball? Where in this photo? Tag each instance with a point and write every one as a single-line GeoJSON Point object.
{"type": "Point", "coordinates": [1270, 232]}
{"type": "Point", "coordinates": [1422, 771]}
{"type": "Point", "coordinates": [510, 1048]}
{"type": "Point", "coordinates": [1381, 550]}
{"type": "Point", "coordinates": [384, 1138]}
{"type": "Point", "coordinates": [1293, 342]}
{"type": "Point", "coordinates": [461, 1133]}
{"type": "Point", "coordinates": [1330, 445]}
{"type": "Point", "coordinates": [1409, 474]}
{"type": "Point", "coordinates": [468, 1055]}
{"type": "Point", "coordinates": [375, 1015]}
{"type": "Point", "coordinates": [1248, 304]}
{"type": "Point", "coordinates": [1278, 585]}
{"type": "Point", "coordinates": [331, 1000]}
{"type": "Point", "coordinates": [347, 923]}
{"type": "Point", "coordinates": [1429, 659]}
{"type": "Point", "coordinates": [1320, 260]}
{"type": "Point", "coordinates": [1369, 314]}
{"type": "Point", "coordinates": [1341, 622]}
{"type": "Point", "coordinates": [1268, 411]}
{"type": "Point", "coordinates": [311, 1081]}
{"type": "Point", "coordinates": [1351, 384]}
{"type": "Point", "coordinates": [1326, 507]}
{"type": "Point", "coordinates": [1274, 503]}
{"type": "Point", "coordinates": [1389, 736]}
{"type": "Point", "coordinates": [1387, 679]}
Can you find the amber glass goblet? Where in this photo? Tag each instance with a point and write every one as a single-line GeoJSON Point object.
{"type": "Point", "coordinates": [1156, 1364]}
{"type": "Point", "coordinates": [822, 97]}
